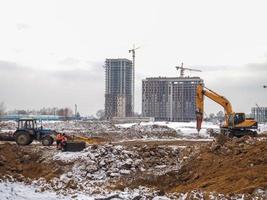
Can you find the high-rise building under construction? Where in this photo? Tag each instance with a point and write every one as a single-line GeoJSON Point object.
{"type": "Point", "coordinates": [119, 88]}
{"type": "Point", "coordinates": [259, 113]}
{"type": "Point", "coordinates": [170, 98]}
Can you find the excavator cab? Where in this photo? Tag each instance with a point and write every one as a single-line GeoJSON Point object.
{"type": "Point", "coordinates": [239, 118]}
{"type": "Point", "coordinates": [235, 119]}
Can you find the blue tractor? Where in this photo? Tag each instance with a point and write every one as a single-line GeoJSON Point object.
{"type": "Point", "coordinates": [27, 131]}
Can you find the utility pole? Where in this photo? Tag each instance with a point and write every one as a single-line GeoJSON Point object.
{"type": "Point", "coordinates": [75, 111]}
{"type": "Point", "coordinates": [133, 73]}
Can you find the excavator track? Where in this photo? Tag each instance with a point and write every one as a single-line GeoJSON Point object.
{"type": "Point", "coordinates": [238, 133]}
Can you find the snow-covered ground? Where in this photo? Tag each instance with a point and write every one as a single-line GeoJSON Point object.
{"type": "Point", "coordinates": [188, 129]}
{"type": "Point", "coordinates": [185, 129]}
{"type": "Point", "coordinates": [262, 127]}
{"type": "Point", "coordinates": [20, 191]}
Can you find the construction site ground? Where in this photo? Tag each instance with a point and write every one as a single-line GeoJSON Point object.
{"type": "Point", "coordinates": [151, 168]}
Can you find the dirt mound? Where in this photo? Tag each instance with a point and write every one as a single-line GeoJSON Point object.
{"type": "Point", "coordinates": [144, 131]}
{"type": "Point", "coordinates": [226, 166]}
{"type": "Point", "coordinates": [7, 136]}
{"type": "Point", "coordinates": [24, 162]}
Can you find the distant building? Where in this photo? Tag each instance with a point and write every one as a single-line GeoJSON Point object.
{"type": "Point", "coordinates": [170, 98]}
{"type": "Point", "coordinates": [259, 113]}
{"type": "Point", "coordinates": [119, 88]}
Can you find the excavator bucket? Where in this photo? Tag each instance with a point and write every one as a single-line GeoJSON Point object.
{"type": "Point", "coordinates": [199, 106]}
{"type": "Point", "coordinates": [74, 146]}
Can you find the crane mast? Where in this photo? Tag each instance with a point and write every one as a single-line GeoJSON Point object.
{"type": "Point", "coordinates": [133, 74]}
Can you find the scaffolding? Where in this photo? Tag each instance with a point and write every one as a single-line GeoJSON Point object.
{"type": "Point", "coordinates": [118, 89]}
{"type": "Point", "coordinates": [170, 98]}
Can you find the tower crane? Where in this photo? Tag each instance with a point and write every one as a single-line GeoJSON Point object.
{"type": "Point", "coordinates": [182, 69]}
{"type": "Point", "coordinates": [133, 55]}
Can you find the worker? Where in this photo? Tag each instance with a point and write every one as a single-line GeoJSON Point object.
{"type": "Point", "coordinates": [58, 140]}
{"type": "Point", "coordinates": [63, 141]}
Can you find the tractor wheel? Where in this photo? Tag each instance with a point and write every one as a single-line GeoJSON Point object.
{"type": "Point", "coordinates": [47, 141]}
{"type": "Point", "coordinates": [31, 140]}
{"type": "Point", "coordinates": [23, 138]}
{"type": "Point", "coordinates": [74, 146]}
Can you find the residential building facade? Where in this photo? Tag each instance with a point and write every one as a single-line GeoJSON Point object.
{"type": "Point", "coordinates": [170, 98]}
{"type": "Point", "coordinates": [118, 88]}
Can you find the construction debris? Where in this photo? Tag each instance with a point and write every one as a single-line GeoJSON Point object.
{"type": "Point", "coordinates": [225, 166]}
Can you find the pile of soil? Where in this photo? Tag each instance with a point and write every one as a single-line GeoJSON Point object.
{"type": "Point", "coordinates": [150, 131]}
{"type": "Point", "coordinates": [7, 136]}
{"type": "Point", "coordinates": [225, 166]}
{"type": "Point", "coordinates": [24, 162]}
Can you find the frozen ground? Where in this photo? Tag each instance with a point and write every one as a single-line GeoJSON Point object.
{"type": "Point", "coordinates": [159, 129]}
{"type": "Point", "coordinates": [184, 129]}
{"type": "Point", "coordinates": [262, 127]}
{"type": "Point", "coordinates": [188, 129]}
{"type": "Point", "coordinates": [20, 191]}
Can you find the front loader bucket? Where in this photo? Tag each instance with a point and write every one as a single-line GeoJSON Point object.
{"type": "Point", "coordinates": [74, 146]}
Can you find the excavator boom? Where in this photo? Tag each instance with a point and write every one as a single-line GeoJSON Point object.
{"type": "Point", "coordinates": [201, 92]}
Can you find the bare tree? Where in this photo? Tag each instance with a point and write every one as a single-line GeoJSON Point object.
{"type": "Point", "coordinates": [100, 114]}
{"type": "Point", "coordinates": [220, 116]}
{"type": "Point", "coordinates": [65, 112]}
{"type": "Point", "coordinates": [211, 116]}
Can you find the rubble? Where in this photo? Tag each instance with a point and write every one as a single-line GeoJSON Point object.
{"type": "Point", "coordinates": [96, 168]}
{"type": "Point", "coordinates": [150, 131]}
{"type": "Point", "coordinates": [226, 167]}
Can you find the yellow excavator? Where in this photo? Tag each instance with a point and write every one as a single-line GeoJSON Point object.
{"type": "Point", "coordinates": [235, 124]}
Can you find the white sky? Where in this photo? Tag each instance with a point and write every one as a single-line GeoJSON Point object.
{"type": "Point", "coordinates": [52, 52]}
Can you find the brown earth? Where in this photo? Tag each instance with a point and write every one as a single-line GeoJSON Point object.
{"type": "Point", "coordinates": [237, 166]}
{"type": "Point", "coordinates": [26, 162]}
{"type": "Point", "coordinates": [7, 136]}
{"type": "Point", "coordinates": [226, 166]}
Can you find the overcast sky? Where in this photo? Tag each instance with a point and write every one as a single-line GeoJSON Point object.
{"type": "Point", "coordinates": [52, 52]}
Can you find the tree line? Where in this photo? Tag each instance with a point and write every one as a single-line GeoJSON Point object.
{"type": "Point", "coordinates": [64, 112]}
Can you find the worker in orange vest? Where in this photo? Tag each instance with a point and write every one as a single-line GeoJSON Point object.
{"type": "Point", "coordinates": [58, 140]}
{"type": "Point", "coordinates": [63, 141]}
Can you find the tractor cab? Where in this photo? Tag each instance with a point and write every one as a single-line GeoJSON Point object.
{"type": "Point", "coordinates": [27, 124]}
